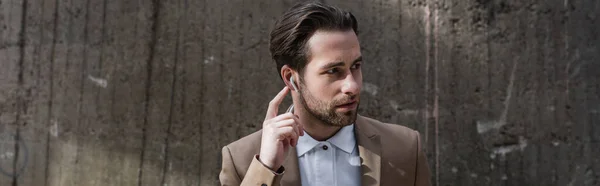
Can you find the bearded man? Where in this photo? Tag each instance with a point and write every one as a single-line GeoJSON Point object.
{"type": "Point", "coordinates": [322, 141]}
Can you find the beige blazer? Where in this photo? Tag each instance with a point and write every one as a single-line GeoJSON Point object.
{"type": "Point", "coordinates": [390, 155]}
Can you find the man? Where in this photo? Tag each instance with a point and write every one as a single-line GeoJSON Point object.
{"type": "Point", "coordinates": [323, 141]}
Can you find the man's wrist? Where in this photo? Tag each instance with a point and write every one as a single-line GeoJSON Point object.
{"type": "Point", "coordinates": [279, 169]}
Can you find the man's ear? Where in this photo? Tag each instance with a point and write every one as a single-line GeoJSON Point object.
{"type": "Point", "coordinates": [287, 74]}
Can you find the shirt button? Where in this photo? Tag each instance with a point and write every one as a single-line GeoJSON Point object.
{"type": "Point", "coordinates": [325, 147]}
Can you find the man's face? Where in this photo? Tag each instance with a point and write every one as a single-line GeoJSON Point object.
{"type": "Point", "coordinates": [332, 79]}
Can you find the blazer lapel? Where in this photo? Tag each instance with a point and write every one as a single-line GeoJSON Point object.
{"type": "Point", "coordinates": [369, 149]}
{"type": "Point", "coordinates": [292, 170]}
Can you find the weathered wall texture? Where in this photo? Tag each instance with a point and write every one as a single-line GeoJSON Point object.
{"type": "Point", "coordinates": [109, 92]}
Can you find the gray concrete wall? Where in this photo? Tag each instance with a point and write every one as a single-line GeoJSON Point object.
{"type": "Point", "coordinates": [107, 92]}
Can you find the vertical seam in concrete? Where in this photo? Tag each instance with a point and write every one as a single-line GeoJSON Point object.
{"type": "Point", "coordinates": [184, 77]}
{"type": "Point", "coordinates": [20, 91]}
{"type": "Point", "coordinates": [68, 45]}
{"type": "Point", "coordinates": [201, 108]}
{"type": "Point", "coordinates": [240, 81]}
{"type": "Point", "coordinates": [16, 170]}
{"type": "Point", "coordinates": [69, 39]}
{"type": "Point", "coordinates": [436, 94]}
{"type": "Point", "coordinates": [50, 102]}
{"type": "Point", "coordinates": [566, 48]}
{"type": "Point", "coordinates": [82, 77]}
{"type": "Point", "coordinates": [39, 47]}
{"type": "Point", "coordinates": [184, 58]}
{"type": "Point", "coordinates": [101, 60]}
{"type": "Point", "coordinates": [489, 72]}
{"type": "Point", "coordinates": [103, 41]}
{"type": "Point", "coordinates": [221, 78]}
{"type": "Point", "coordinates": [172, 98]}
{"type": "Point", "coordinates": [427, 61]}
{"type": "Point", "coordinates": [22, 46]}
{"type": "Point", "coordinates": [152, 48]}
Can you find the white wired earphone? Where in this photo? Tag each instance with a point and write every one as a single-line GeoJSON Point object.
{"type": "Point", "coordinates": [291, 108]}
{"type": "Point", "coordinates": [293, 83]}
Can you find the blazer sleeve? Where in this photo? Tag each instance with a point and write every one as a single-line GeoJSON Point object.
{"type": "Point", "coordinates": [423, 175]}
{"type": "Point", "coordinates": [228, 175]}
{"type": "Point", "coordinates": [257, 175]}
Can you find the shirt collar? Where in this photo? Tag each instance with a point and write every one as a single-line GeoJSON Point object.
{"type": "Point", "coordinates": [343, 139]}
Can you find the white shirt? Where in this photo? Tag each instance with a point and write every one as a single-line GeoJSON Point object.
{"type": "Point", "coordinates": [334, 162]}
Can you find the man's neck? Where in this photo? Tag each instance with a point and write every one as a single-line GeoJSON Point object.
{"type": "Point", "coordinates": [316, 128]}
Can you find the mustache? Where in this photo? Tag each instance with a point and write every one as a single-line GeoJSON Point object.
{"type": "Point", "coordinates": [344, 100]}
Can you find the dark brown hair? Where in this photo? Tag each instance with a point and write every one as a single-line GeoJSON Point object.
{"type": "Point", "coordinates": [288, 45]}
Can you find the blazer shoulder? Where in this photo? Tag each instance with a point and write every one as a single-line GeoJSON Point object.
{"type": "Point", "coordinates": [403, 161]}
{"type": "Point", "coordinates": [242, 152]}
{"type": "Point", "coordinates": [401, 131]}
{"type": "Point", "coordinates": [394, 135]}
{"type": "Point", "coordinates": [247, 145]}
{"type": "Point", "coordinates": [387, 130]}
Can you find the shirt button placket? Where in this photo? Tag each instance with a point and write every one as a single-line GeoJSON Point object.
{"type": "Point", "coordinates": [328, 151]}
{"type": "Point", "coordinates": [319, 167]}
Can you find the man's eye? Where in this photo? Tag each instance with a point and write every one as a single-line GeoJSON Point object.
{"type": "Point", "coordinates": [356, 66]}
{"type": "Point", "coordinates": [332, 71]}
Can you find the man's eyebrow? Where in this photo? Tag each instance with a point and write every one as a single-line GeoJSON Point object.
{"type": "Point", "coordinates": [340, 63]}
{"type": "Point", "coordinates": [357, 59]}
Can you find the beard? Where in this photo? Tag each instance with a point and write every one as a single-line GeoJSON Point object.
{"type": "Point", "coordinates": [326, 111]}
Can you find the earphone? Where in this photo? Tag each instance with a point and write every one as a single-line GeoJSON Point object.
{"type": "Point", "coordinates": [291, 108]}
{"type": "Point", "coordinates": [293, 83]}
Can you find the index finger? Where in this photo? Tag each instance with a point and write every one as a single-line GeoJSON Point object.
{"type": "Point", "coordinates": [274, 104]}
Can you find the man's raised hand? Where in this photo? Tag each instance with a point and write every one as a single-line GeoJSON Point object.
{"type": "Point", "coordinates": [279, 133]}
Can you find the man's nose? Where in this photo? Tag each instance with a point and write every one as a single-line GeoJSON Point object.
{"type": "Point", "coordinates": [350, 85]}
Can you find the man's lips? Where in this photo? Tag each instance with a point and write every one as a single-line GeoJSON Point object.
{"type": "Point", "coordinates": [347, 105]}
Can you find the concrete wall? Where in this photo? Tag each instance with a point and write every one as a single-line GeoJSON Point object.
{"type": "Point", "coordinates": [108, 92]}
